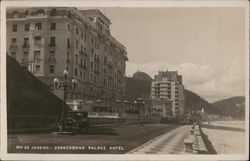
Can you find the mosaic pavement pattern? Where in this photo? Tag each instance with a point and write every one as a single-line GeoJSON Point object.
{"type": "Point", "coordinates": [171, 142]}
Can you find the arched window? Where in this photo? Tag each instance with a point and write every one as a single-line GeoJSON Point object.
{"type": "Point", "coordinates": [15, 14]}
{"type": "Point", "coordinates": [40, 11]}
{"type": "Point", "coordinates": [53, 12]}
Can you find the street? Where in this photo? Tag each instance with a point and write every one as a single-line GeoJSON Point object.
{"type": "Point", "coordinates": [103, 140]}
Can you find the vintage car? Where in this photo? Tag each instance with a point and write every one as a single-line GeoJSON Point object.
{"type": "Point", "coordinates": [76, 121]}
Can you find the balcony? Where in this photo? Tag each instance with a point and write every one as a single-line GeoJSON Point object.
{"type": "Point", "coordinates": [52, 59]}
{"type": "Point", "coordinates": [38, 43]}
{"type": "Point", "coordinates": [83, 53]}
{"type": "Point", "coordinates": [25, 46]}
{"type": "Point", "coordinates": [25, 61]}
{"type": "Point", "coordinates": [67, 61]}
{"type": "Point", "coordinates": [81, 65]}
{"type": "Point", "coordinates": [52, 45]}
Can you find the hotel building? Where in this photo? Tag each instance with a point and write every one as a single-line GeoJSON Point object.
{"type": "Point", "coordinates": [167, 94]}
{"type": "Point", "coordinates": [49, 40]}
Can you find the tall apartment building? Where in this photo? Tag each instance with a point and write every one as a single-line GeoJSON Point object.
{"type": "Point", "coordinates": [49, 40]}
{"type": "Point", "coordinates": [167, 94]}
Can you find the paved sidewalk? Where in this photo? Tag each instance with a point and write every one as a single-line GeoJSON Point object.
{"type": "Point", "coordinates": [169, 143]}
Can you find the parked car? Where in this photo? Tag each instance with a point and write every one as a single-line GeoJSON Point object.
{"type": "Point", "coordinates": [76, 121]}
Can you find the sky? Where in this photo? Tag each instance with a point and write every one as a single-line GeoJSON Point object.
{"type": "Point", "coordinates": [206, 45]}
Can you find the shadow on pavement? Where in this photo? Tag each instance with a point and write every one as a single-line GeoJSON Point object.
{"type": "Point", "coordinates": [222, 127]}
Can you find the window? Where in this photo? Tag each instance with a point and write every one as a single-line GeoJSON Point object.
{"type": "Point", "coordinates": [85, 38]}
{"type": "Point", "coordinates": [76, 44]}
{"type": "Point", "coordinates": [84, 63]}
{"type": "Point", "coordinates": [92, 52]}
{"type": "Point", "coordinates": [13, 40]}
{"type": "Point", "coordinates": [13, 54]}
{"type": "Point", "coordinates": [105, 60]}
{"type": "Point", "coordinates": [26, 40]}
{"type": "Point", "coordinates": [38, 26]}
{"type": "Point", "coordinates": [91, 66]}
{"type": "Point", "coordinates": [75, 71]}
{"type": "Point", "coordinates": [69, 27]}
{"type": "Point", "coordinates": [53, 26]}
{"type": "Point", "coordinates": [67, 55]}
{"type": "Point", "coordinates": [51, 69]}
{"type": "Point", "coordinates": [25, 55]}
{"type": "Point", "coordinates": [67, 68]}
{"type": "Point", "coordinates": [68, 43]}
{"type": "Point", "coordinates": [81, 74]}
{"type": "Point", "coordinates": [91, 77]}
{"type": "Point", "coordinates": [92, 40]}
{"type": "Point", "coordinates": [76, 59]}
{"type": "Point", "coordinates": [14, 28]}
{"type": "Point", "coordinates": [82, 36]}
{"type": "Point", "coordinates": [52, 54]}
{"type": "Point", "coordinates": [52, 41]}
{"type": "Point", "coordinates": [38, 39]}
{"type": "Point", "coordinates": [26, 12]}
{"type": "Point", "coordinates": [26, 27]}
{"type": "Point", "coordinates": [81, 48]}
{"type": "Point", "coordinates": [85, 50]}
{"type": "Point", "coordinates": [53, 12]}
{"type": "Point", "coordinates": [77, 31]}
{"type": "Point", "coordinates": [37, 68]}
{"type": "Point", "coordinates": [37, 54]}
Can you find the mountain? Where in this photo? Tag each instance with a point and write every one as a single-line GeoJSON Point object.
{"type": "Point", "coordinates": [26, 95]}
{"type": "Point", "coordinates": [195, 102]}
{"type": "Point", "coordinates": [139, 85]}
{"type": "Point", "coordinates": [234, 106]}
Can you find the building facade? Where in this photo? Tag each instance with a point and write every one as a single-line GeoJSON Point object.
{"type": "Point", "coordinates": [49, 40]}
{"type": "Point", "coordinates": [167, 95]}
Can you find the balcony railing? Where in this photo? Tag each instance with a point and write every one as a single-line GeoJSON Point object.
{"type": "Point", "coordinates": [38, 43]}
{"type": "Point", "coordinates": [25, 60]}
{"type": "Point", "coordinates": [52, 45]}
{"type": "Point", "coordinates": [67, 61]}
{"type": "Point", "coordinates": [26, 46]}
{"type": "Point", "coordinates": [52, 59]}
{"type": "Point", "coordinates": [13, 46]}
{"type": "Point", "coordinates": [81, 65]}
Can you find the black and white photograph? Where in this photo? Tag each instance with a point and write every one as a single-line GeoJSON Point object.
{"type": "Point", "coordinates": [145, 80]}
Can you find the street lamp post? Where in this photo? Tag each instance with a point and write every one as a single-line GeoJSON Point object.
{"type": "Point", "coordinates": [139, 115]}
{"type": "Point", "coordinates": [64, 87]}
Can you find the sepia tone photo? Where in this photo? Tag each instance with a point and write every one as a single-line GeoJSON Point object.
{"type": "Point", "coordinates": [108, 79]}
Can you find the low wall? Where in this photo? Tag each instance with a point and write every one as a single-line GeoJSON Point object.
{"type": "Point", "coordinates": [32, 122]}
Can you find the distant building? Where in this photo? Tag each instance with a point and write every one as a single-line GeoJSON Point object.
{"type": "Point", "coordinates": [49, 40]}
{"type": "Point", "coordinates": [167, 94]}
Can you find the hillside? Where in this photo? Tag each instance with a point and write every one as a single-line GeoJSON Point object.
{"type": "Point", "coordinates": [195, 102]}
{"type": "Point", "coordinates": [234, 106]}
{"type": "Point", "coordinates": [138, 86]}
{"type": "Point", "coordinates": [26, 95]}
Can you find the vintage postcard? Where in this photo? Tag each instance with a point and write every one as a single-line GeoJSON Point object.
{"type": "Point", "coordinates": [124, 80]}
